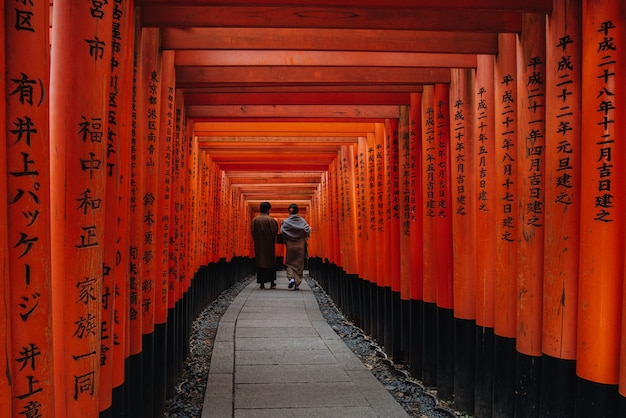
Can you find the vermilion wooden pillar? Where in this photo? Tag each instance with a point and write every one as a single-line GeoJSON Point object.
{"type": "Point", "coordinates": [163, 227]}
{"type": "Point", "coordinates": [562, 217]}
{"type": "Point", "coordinates": [25, 213]}
{"type": "Point", "coordinates": [115, 285]}
{"type": "Point", "coordinates": [382, 273]}
{"type": "Point", "coordinates": [404, 240]}
{"type": "Point", "coordinates": [78, 134]}
{"type": "Point", "coordinates": [416, 228]}
{"type": "Point", "coordinates": [531, 77]}
{"type": "Point", "coordinates": [486, 203]}
{"type": "Point", "coordinates": [392, 213]}
{"type": "Point", "coordinates": [602, 233]}
{"type": "Point", "coordinates": [443, 237]}
{"type": "Point", "coordinates": [6, 403]}
{"type": "Point", "coordinates": [428, 165]}
{"type": "Point", "coordinates": [363, 229]}
{"type": "Point", "coordinates": [463, 181]}
{"type": "Point", "coordinates": [507, 225]}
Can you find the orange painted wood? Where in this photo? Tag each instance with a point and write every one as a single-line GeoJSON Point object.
{"type": "Point", "coordinates": [486, 196]}
{"type": "Point", "coordinates": [429, 198]}
{"type": "Point", "coordinates": [531, 75]}
{"type": "Point", "coordinates": [563, 157]}
{"type": "Point", "coordinates": [6, 403]}
{"type": "Point", "coordinates": [297, 98]}
{"type": "Point", "coordinates": [370, 210]}
{"type": "Point", "coordinates": [114, 323]}
{"type": "Point", "coordinates": [507, 218]}
{"type": "Point", "coordinates": [362, 226]}
{"type": "Point", "coordinates": [150, 91]}
{"type": "Point", "coordinates": [515, 5]}
{"type": "Point", "coordinates": [188, 77]}
{"type": "Point", "coordinates": [256, 57]}
{"type": "Point", "coordinates": [603, 191]}
{"type": "Point", "coordinates": [463, 183]}
{"type": "Point", "coordinates": [380, 194]}
{"type": "Point", "coordinates": [78, 133]}
{"type": "Point", "coordinates": [404, 190]}
{"type": "Point", "coordinates": [163, 224]}
{"type": "Point", "coordinates": [335, 17]}
{"type": "Point", "coordinates": [294, 111]}
{"type": "Point", "coordinates": [321, 39]}
{"type": "Point", "coordinates": [416, 207]}
{"type": "Point", "coordinates": [392, 211]}
{"type": "Point", "coordinates": [443, 225]}
{"type": "Point", "coordinates": [26, 216]}
{"type": "Point", "coordinates": [349, 212]}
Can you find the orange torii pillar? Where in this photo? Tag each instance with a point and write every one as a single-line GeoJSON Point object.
{"type": "Point", "coordinates": [415, 219]}
{"type": "Point", "coordinates": [486, 201]}
{"type": "Point", "coordinates": [371, 327]}
{"type": "Point", "coordinates": [175, 343]}
{"type": "Point", "coordinates": [443, 238]}
{"type": "Point", "coordinates": [562, 217]}
{"type": "Point", "coordinates": [113, 394]}
{"type": "Point", "coordinates": [531, 76]}
{"type": "Point", "coordinates": [364, 255]}
{"type": "Point", "coordinates": [463, 180]}
{"type": "Point", "coordinates": [348, 218]}
{"type": "Point", "coordinates": [5, 319]}
{"type": "Point", "coordinates": [382, 263]}
{"type": "Point", "coordinates": [78, 133]}
{"type": "Point", "coordinates": [393, 331]}
{"type": "Point", "coordinates": [601, 352]}
{"type": "Point", "coordinates": [25, 232]}
{"type": "Point", "coordinates": [507, 225]}
{"type": "Point", "coordinates": [162, 229]}
{"type": "Point", "coordinates": [429, 202]}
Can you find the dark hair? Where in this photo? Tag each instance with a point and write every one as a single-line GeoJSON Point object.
{"type": "Point", "coordinates": [294, 207]}
{"type": "Point", "coordinates": [265, 207]}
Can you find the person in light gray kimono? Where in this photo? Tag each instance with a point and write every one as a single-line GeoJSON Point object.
{"type": "Point", "coordinates": [296, 232]}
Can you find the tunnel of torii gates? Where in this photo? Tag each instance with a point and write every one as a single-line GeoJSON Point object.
{"type": "Point", "coordinates": [477, 232]}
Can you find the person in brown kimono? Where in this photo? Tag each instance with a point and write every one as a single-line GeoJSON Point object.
{"type": "Point", "coordinates": [296, 233]}
{"type": "Point", "coordinates": [264, 229]}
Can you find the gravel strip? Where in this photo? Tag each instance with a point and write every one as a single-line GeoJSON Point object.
{"type": "Point", "coordinates": [417, 400]}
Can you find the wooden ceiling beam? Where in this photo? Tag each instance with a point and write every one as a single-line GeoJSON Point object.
{"type": "Point", "coordinates": [335, 17]}
{"type": "Point", "coordinates": [286, 129]}
{"type": "Point", "coordinates": [509, 5]}
{"type": "Point", "coordinates": [203, 76]}
{"type": "Point", "coordinates": [272, 58]}
{"type": "Point", "coordinates": [320, 39]}
{"type": "Point", "coordinates": [365, 90]}
{"type": "Point", "coordinates": [293, 111]}
{"type": "Point", "coordinates": [307, 98]}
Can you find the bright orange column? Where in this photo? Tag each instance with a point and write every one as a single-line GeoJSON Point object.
{"type": "Point", "coordinates": [463, 181]}
{"type": "Point", "coordinates": [25, 234]}
{"type": "Point", "coordinates": [428, 165]}
{"type": "Point", "coordinates": [392, 211]}
{"type": "Point", "coordinates": [115, 284]}
{"type": "Point", "coordinates": [485, 195]}
{"type": "Point", "coordinates": [603, 189]}
{"type": "Point", "coordinates": [79, 126]}
{"type": "Point", "coordinates": [6, 403]}
{"type": "Point", "coordinates": [507, 224]}
{"type": "Point", "coordinates": [463, 198]}
{"type": "Point", "coordinates": [404, 191]}
{"type": "Point", "coordinates": [562, 187]}
{"type": "Point", "coordinates": [415, 198]}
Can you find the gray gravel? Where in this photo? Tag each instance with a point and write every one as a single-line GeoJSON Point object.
{"type": "Point", "coordinates": [417, 400]}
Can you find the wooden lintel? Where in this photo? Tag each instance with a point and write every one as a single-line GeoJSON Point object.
{"type": "Point", "coordinates": [322, 39]}
{"type": "Point", "coordinates": [298, 111]}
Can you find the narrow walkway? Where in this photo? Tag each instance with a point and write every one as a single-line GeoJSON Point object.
{"type": "Point", "coordinates": [275, 356]}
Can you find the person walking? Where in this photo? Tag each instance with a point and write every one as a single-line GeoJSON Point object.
{"type": "Point", "coordinates": [264, 229]}
{"type": "Point", "coordinates": [296, 232]}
